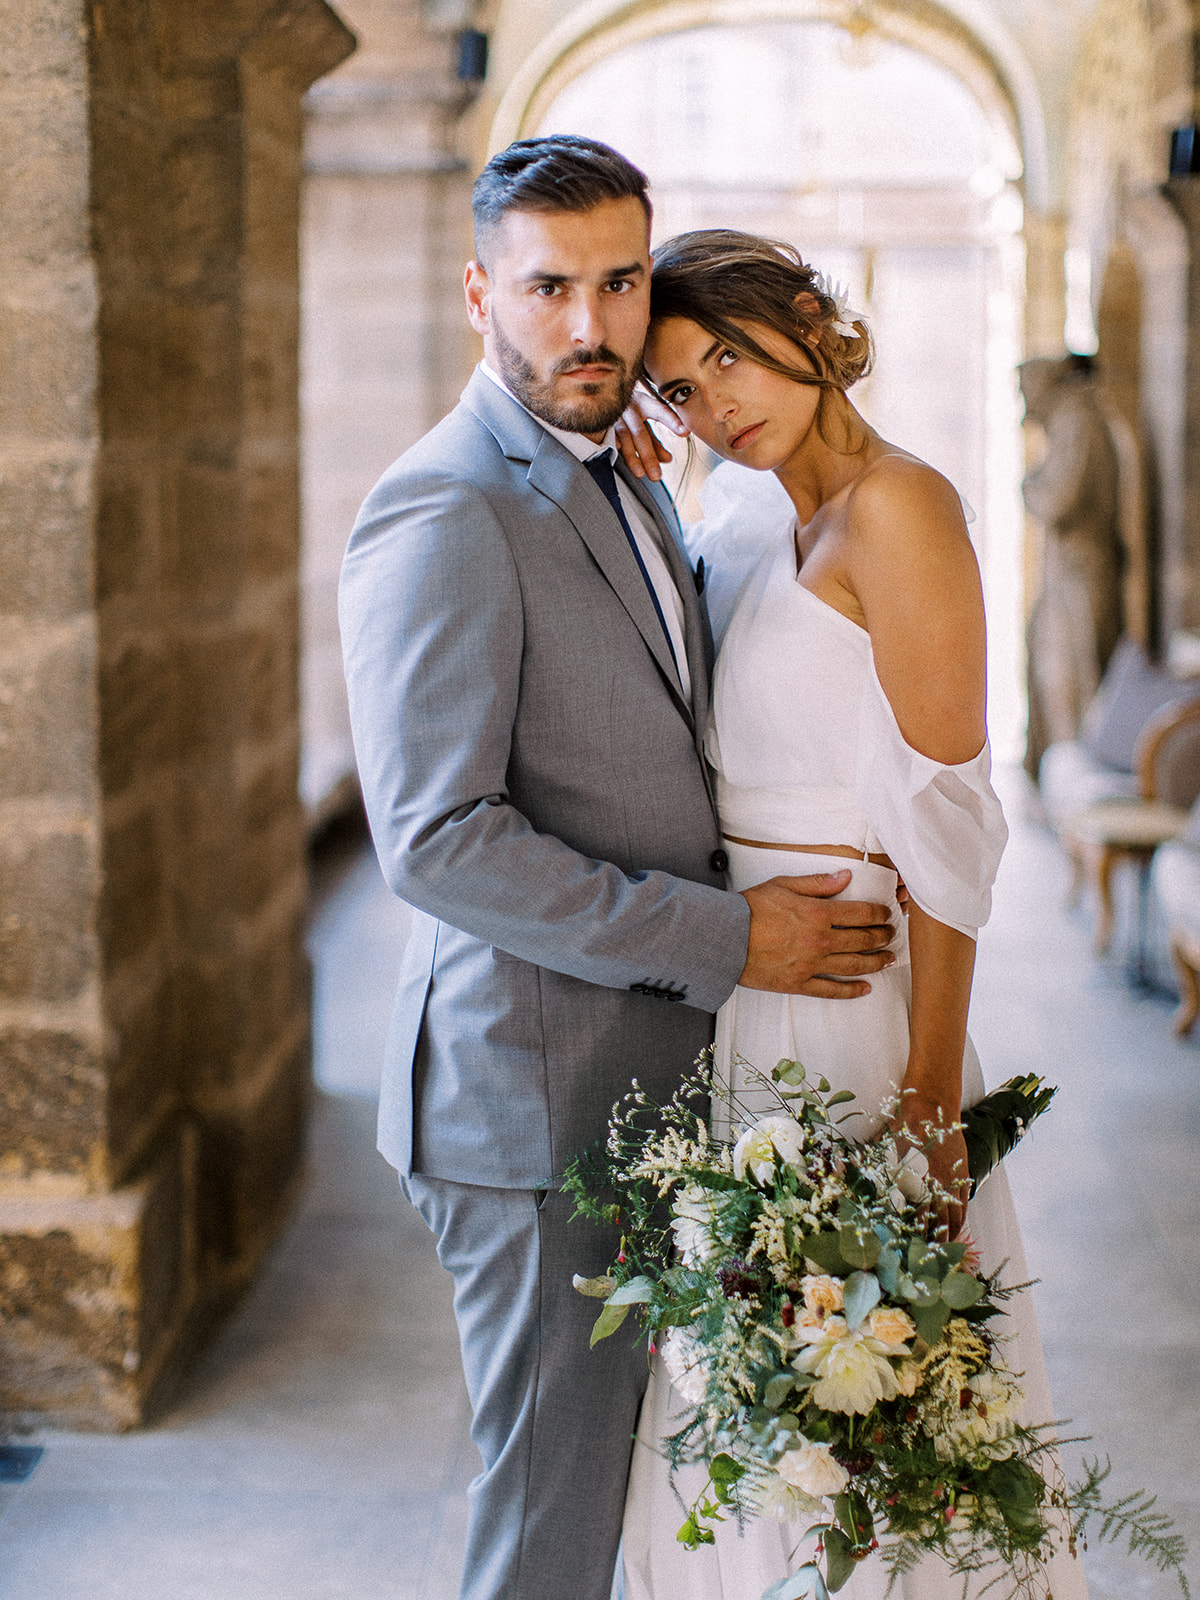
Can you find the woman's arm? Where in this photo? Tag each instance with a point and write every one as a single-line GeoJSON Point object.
{"type": "Point", "coordinates": [943, 962]}
{"type": "Point", "coordinates": [912, 568]}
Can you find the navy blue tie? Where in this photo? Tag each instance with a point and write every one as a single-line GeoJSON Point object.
{"type": "Point", "coordinates": [601, 469]}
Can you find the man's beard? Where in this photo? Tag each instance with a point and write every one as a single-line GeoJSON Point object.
{"type": "Point", "coordinates": [592, 412]}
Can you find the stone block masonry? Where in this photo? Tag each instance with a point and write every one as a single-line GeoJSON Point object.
{"type": "Point", "coordinates": [153, 988]}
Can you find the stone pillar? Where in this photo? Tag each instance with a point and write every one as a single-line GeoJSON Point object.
{"type": "Point", "coordinates": [1045, 283]}
{"type": "Point", "coordinates": [387, 347]}
{"type": "Point", "coordinates": [1181, 577]}
{"type": "Point", "coordinates": [153, 991]}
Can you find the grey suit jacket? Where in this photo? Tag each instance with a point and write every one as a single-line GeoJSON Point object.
{"type": "Point", "coordinates": [536, 789]}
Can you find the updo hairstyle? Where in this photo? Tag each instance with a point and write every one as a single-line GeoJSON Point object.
{"type": "Point", "coordinates": [720, 278]}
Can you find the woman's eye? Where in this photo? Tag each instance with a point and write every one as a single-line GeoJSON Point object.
{"type": "Point", "coordinates": [727, 358]}
{"type": "Point", "coordinates": [680, 396]}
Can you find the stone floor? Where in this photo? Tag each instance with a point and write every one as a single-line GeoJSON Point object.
{"type": "Point", "coordinates": [320, 1450]}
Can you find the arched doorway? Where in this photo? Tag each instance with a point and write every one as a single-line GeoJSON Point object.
{"type": "Point", "coordinates": [893, 173]}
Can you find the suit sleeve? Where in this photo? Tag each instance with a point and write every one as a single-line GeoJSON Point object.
{"type": "Point", "coordinates": [431, 617]}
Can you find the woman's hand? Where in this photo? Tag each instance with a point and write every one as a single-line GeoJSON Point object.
{"type": "Point", "coordinates": [640, 450]}
{"type": "Point", "coordinates": [921, 1124]}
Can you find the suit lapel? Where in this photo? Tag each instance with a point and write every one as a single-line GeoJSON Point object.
{"type": "Point", "coordinates": [554, 472]}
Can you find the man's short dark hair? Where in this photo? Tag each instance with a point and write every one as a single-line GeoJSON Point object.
{"type": "Point", "coordinates": [562, 172]}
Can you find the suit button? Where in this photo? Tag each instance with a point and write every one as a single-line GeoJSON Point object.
{"type": "Point", "coordinates": [719, 861]}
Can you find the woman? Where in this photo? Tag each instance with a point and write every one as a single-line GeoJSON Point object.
{"type": "Point", "coordinates": [847, 726]}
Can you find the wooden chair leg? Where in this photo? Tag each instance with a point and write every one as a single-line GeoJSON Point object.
{"type": "Point", "coordinates": [1189, 989]}
{"type": "Point", "coordinates": [1105, 859]}
{"type": "Point", "coordinates": [1078, 874]}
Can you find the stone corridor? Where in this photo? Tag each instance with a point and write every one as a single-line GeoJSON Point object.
{"type": "Point", "coordinates": [320, 1451]}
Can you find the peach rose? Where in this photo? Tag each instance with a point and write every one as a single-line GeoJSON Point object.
{"type": "Point", "coordinates": [822, 1294]}
{"type": "Point", "coordinates": [890, 1325]}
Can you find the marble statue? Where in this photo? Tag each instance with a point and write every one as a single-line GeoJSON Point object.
{"type": "Point", "coordinates": [1073, 493]}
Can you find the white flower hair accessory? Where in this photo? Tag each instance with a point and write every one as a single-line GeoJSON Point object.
{"type": "Point", "coordinates": [839, 293]}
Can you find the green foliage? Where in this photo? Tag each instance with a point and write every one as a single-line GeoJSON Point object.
{"type": "Point", "coordinates": [994, 1125]}
{"type": "Point", "coordinates": [1133, 1519]}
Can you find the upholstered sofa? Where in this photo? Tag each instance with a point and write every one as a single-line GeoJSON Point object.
{"type": "Point", "coordinates": [1175, 877]}
{"type": "Point", "coordinates": [1140, 743]}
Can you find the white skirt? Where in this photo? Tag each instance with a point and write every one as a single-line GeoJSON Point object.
{"type": "Point", "coordinates": [860, 1045]}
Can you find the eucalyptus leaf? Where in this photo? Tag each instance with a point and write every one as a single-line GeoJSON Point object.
{"type": "Point", "coordinates": [931, 1320]}
{"type": "Point", "coordinates": [787, 1072]}
{"type": "Point", "coordinates": [922, 1261]}
{"type": "Point", "coordinates": [860, 1296]}
{"type": "Point", "coordinates": [637, 1292]}
{"type": "Point", "coordinates": [777, 1390]}
{"type": "Point", "coordinates": [841, 1098]}
{"type": "Point", "coordinates": [960, 1290]}
{"type": "Point", "coordinates": [596, 1288]}
{"type": "Point", "coordinates": [858, 1249]}
{"type": "Point", "coordinates": [609, 1320]}
{"type": "Point", "coordinates": [887, 1269]}
{"type": "Point", "coordinates": [825, 1249]}
{"type": "Point", "coordinates": [839, 1563]}
{"type": "Point", "coordinates": [798, 1585]}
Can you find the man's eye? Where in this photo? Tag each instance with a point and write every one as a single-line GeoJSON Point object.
{"type": "Point", "coordinates": [547, 290]}
{"type": "Point", "coordinates": [620, 286]}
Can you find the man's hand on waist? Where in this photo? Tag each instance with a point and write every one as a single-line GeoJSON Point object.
{"type": "Point", "coordinates": [802, 941]}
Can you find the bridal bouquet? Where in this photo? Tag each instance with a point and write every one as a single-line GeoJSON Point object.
{"type": "Point", "coordinates": [841, 1366]}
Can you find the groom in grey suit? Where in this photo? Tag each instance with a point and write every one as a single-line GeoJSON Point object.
{"type": "Point", "coordinates": [528, 662]}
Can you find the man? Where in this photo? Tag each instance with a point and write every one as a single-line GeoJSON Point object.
{"type": "Point", "coordinates": [528, 664]}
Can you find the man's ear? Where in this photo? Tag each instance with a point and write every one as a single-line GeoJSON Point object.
{"type": "Point", "coordinates": [478, 290]}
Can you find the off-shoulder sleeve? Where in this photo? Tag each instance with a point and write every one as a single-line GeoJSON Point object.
{"type": "Point", "coordinates": [942, 826]}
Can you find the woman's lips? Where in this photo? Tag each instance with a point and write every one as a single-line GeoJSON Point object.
{"type": "Point", "coordinates": [746, 436]}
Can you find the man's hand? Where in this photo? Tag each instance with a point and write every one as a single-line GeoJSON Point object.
{"type": "Point", "coordinates": [802, 941]}
{"type": "Point", "coordinates": [640, 450]}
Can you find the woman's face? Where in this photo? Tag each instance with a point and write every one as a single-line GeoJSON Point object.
{"type": "Point", "coordinates": [740, 409]}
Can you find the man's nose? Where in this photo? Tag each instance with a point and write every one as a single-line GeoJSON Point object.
{"type": "Point", "coordinates": [587, 326]}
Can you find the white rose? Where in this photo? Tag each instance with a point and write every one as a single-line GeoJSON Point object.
{"type": "Point", "coordinates": [774, 1497]}
{"type": "Point", "coordinates": [687, 1372]}
{"type": "Point", "coordinates": [691, 1223]}
{"type": "Point", "coordinates": [775, 1136]}
{"type": "Point", "coordinates": [811, 1467]}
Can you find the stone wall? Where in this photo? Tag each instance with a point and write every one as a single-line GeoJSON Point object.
{"type": "Point", "coordinates": [153, 990]}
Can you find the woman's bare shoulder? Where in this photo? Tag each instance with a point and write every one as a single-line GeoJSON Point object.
{"type": "Point", "coordinates": [900, 499]}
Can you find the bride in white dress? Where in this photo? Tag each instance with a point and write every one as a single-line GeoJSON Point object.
{"type": "Point", "coordinates": [847, 729]}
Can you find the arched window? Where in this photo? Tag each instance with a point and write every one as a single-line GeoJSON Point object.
{"type": "Point", "coordinates": [887, 172]}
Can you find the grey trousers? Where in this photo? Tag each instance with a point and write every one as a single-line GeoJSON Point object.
{"type": "Point", "coordinates": [553, 1420]}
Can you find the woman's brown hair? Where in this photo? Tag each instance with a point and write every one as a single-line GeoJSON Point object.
{"type": "Point", "coordinates": [720, 279]}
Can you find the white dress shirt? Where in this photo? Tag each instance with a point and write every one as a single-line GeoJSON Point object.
{"type": "Point", "coordinates": [643, 529]}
